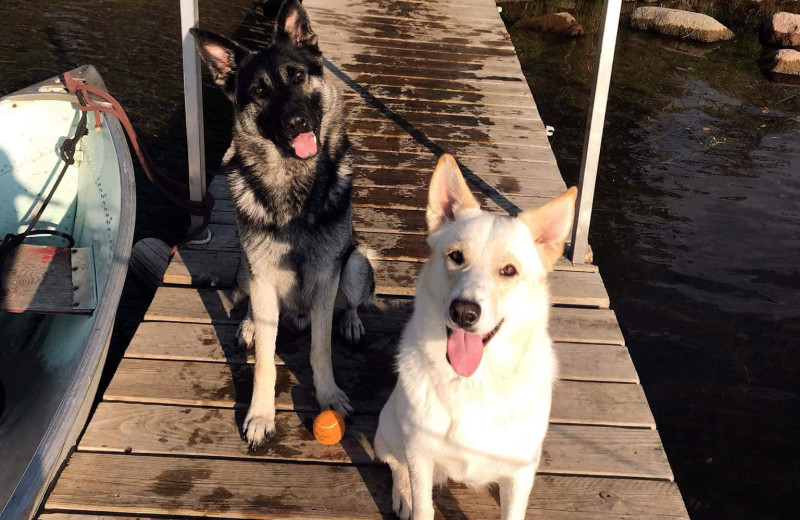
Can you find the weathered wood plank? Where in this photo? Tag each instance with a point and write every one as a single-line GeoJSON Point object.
{"type": "Point", "coordinates": [450, 10]}
{"type": "Point", "coordinates": [375, 220]}
{"type": "Point", "coordinates": [220, 385]}
{"type": "Point", "coordinates": [217, 343]}
{"type": "Point", "coordinates": [395, 273]}
{"type": "Point", "coordinates": [539, 190]}
{"type": "Point", "coordinates": [542, 184]}
{"type": "Point", "coordinates": [205, 305]}
{"type": "Point", "coordinates": [396, 268]}
{"type": "Point", "coordinates": [360, 68]}
{"type": "Point", "coordinates": [459, 50]}
{"type": "Point", "coordinates": [389, 197]}
{"type": "Point", "coordinates": [506, 104]}
{"type": "Point", "coordinates": [426, 146]}
{"type": "Point", "coordinates": [400, 104]}
{"type": "Point", "coordinates": [592, 362]}
{"type": "Point", "coordinates": [398, 189]}
{"type": "Point", "coordinates": [362, 113]}
{"type": "Point", "coordinates": [218, 269]}
{"type": "Point", "coordinates": [94, 516]}
{"type": "Point", "coordinates": [444, 132]}
{"type": "Point", "coordinates": [344, 53]}
{"type": "Point", "coordinates": [383, 26]}
{"type": "Point", "coordinates": [483, 91]}
{"type": "Point", "coordinates": [216, 433]}
{"type": "Point", "coordinates": [397, 265]}
{"type": "Point", "coordinates": [386, 220]}
{"type": "Point", "coordinates": [138, 484]}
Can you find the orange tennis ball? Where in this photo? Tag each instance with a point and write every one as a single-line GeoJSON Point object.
{"type": "Point", "coordinates": [329, 427]}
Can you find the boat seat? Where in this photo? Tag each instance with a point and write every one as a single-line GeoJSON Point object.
{"type": "Point", "coordinates": [49, 280]}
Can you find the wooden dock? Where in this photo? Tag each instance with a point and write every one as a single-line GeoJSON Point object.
{"type": "Point", "coordinates": [420, 77]}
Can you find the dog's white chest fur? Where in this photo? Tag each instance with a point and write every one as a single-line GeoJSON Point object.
{"type": "Point", "coordinates": [474, 430]}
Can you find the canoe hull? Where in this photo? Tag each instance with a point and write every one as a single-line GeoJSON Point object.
{"type": "Point", "coordinates": [51, 364]}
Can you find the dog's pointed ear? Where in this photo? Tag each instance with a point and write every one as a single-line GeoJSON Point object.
{"type": "Point", "coordinates": [293, 25]}
{"type": "Point", "coordinates": [550, 226]}
{"type": "Point", "coordinates": [221, 55]}
{"type": "Point", "coordinates": [448, 194]}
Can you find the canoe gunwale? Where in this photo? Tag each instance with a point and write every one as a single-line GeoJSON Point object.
{"type": "Point", "coordinates": [73, 410]}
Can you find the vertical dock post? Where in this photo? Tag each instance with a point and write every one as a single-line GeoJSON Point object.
{"type": "Point", "coordinates": [193, 99]}
{"type": "Point", "coordinates": [594, 129]}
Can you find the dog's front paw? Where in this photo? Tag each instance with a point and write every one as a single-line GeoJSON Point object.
{"type": "Point", "coordinates": [246, 333]}
{"type": "Point", "coordinates": [351, 326]}
{"type": "Point", "coordinates": [333, 398]}
{"type": "Point", "coordinates": [258, 429]}
{"type": "Point", "coordinates": [401, 501]}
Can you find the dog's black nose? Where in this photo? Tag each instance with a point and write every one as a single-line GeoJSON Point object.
{"type": "Point", "coordinates": [296, 124]}
{"type": "Point", "coordinates": [464, 313]}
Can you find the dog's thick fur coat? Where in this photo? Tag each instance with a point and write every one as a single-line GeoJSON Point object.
{"type": "Point", "coordinates": [487, 427]}
{"type": "Point", "coordinates": [288, 171]}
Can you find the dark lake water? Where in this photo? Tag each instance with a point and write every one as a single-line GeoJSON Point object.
{"type": "Point", "coordinates": [696, 226]}
{"type": "Point", "coordinates": [696, 230]}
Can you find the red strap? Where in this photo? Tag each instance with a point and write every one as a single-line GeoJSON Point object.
{"type": "Point", "coordinates": [175, 191]}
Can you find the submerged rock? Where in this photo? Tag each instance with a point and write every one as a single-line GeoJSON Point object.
{"type": "Point", "coordinates": [684, 24]}
{"type": "Point", "coordinates": [782, 30]}
{"type": "Point", "coordinates": [782, 65]}
{"type": "Point", "coordinates": [556, 23]}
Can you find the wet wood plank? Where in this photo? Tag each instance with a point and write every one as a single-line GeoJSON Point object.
{"type": "Point", "coordinates": [360, 112]}
{"type": "Point", "coordinates": [541, 184]}
{"type": "Point", "coordinates": [444, 132]}
{"type": "Point", "coordinates": [138, 484]}
{"type": "Point", "coordinates": [484, 91]}
{"type": "Point", "coordinates": [214, 432]}
{"type": "Point", "coordinates": [217, 344]}
{"type": "Point", "coordinates": [462, 150]}
{"type": "Point", "coordinates": [452, 11]}
{"type": "Point", "coordinates": [219, 385]}
{"type": "Point", "coordinates": [415, 199]}
{"type": "Point", "coordinates": [388, 27]}
{"type": "Point", "coordinates": [401, 104]}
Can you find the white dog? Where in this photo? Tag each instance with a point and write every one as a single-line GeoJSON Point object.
{"type": "Point", "coordinates": [476, 366]}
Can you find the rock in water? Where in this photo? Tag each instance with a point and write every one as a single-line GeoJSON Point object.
{"type": "Point", "coordinates": [782, 30]}
{"type": "Point", "coordinates": [675, 22]}
{"type": "Point", "coordinates": [556, 23]}
{"type": "Point", "coordinates": [782, 65]}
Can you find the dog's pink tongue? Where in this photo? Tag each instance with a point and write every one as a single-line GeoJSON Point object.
{"type": "Point", "coordinates": [305, 145]}
{"type": "Point", "coordinates": [465, 351]}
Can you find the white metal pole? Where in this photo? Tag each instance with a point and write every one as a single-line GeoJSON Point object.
{"type": "Point", "coordinates": [594, 129]}
{"type": "Point", "coordinates": [193, 98]}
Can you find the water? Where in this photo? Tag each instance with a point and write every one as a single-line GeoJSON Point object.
{"type": "Point", "coordinates": [697, 234]}
{"type": "Point", "coordinates": [696, 226]}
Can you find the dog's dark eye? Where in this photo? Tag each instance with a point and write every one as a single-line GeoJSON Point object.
{"type": "Point", "coordinates": [508, 270]}
{"type": "Point", "coordinates": [258, 91]}
{"type": "Point", "coordinates": [298, 77]}
{"type": "Point", "coordinates": [456, 256]}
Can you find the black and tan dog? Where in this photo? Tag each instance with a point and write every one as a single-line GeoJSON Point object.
{"type": "Point", "coordinates": [289, 176]}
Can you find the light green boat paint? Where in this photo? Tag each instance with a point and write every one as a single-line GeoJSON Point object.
{"type": "Point", "coordinates": [50, 364]}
